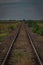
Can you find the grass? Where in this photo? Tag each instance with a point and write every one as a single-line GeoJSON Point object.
{"type": "Point", "coordinates": [37, 26]}
{"type": "Point", "coordinates": [11, 27]}
{"type": "Point", "coordinates": [40, 31]}
{"type": "Point", "coordinates": [6, 28]}
{"type": "Point", "coordinates": [2, 35]}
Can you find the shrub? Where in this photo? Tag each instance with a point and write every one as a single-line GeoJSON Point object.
{"type": "Point", "coordinates": [11, 27]}
{"type": "Point", "coordinates": [41, 31]}
{"type": "Point", "coordinates": [35, 28]}
{"type": "Point", "coordinates": [30, 23]}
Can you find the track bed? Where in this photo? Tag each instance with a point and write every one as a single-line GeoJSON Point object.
{"type": "Point", "coordinates": [22, 52]}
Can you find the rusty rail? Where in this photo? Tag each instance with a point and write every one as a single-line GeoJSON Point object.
{"type": "Point", "coordinates": [31, 41]}
{"type": "Point", "coordinates": [8, 52]}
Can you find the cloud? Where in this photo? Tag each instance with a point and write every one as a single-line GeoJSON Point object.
{"type": "Point", "coordinates": [14, 1]}
{"type": "Point", "coordinates": [4, 1]}
{"type": "Point", "coordinates": [28, 9]}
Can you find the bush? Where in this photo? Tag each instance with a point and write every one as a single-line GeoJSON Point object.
{"type": "Point", "coordinates": [11, 27]}
{"type": "Point", "coordinates": [35, 28]}
{"type": "Point", "coordinates": [30, 23]}
{"type": "Point", "coordinates": [41, 31]}
{"type": "Point", "coordinates": [38, 30]}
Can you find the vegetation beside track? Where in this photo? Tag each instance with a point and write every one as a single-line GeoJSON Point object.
{"type": "Point", "coordinates": [6, 28]}
{"type": "Point", "coordinates": [37, 26]}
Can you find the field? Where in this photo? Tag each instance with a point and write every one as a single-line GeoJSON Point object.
{"type": "Point", "coordinates": [6, 28]}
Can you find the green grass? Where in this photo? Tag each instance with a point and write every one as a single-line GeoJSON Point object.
{"type": "Point", "coordinates": [40, 31]}
{"type": "Point", "coordinates": [37, 27]}
{"type": "Point", "coordinates": [6, 28]}
{"type": "Point", "coordinates": [11, 27]}
{"type": "Point", "coordinates": [34, 26]}
{"type": "Point", "coordinates": [6, 31]}
{"type": "Point", "coordinates": [2, 35]}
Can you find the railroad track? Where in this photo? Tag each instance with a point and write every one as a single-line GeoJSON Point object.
{"type": "Point", "coordinates": [6, 46]}
{"type": "Point", "coordinates": [21, 51]}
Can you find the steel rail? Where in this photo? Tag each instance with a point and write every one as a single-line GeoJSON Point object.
{"type": "Point", "coordinates": [31, 41]}
{"type": "Point", "coordinates": [8, 52]}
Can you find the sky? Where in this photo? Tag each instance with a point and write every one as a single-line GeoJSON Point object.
{"type": "Point", "coordinates": [21, 9]}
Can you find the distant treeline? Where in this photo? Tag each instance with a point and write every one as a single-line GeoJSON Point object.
{"type": "Point", "coordinates": [8, 21]}
{"type": "Point", "coordinates": [31, 20]}
{"type": "Point", "coordinates": [11, 21]}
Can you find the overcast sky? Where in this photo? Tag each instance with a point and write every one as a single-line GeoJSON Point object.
{"type": "Point", "coordinates": [21, 9]}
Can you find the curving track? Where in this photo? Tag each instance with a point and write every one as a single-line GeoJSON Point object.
{"type": "Point", "coordinates": [22, 52]}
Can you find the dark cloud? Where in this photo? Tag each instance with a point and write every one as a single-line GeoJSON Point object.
{"type": "Point", "coordinates": [35, 1]}
{"type": "Point", "coordinates": [19, 9]}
